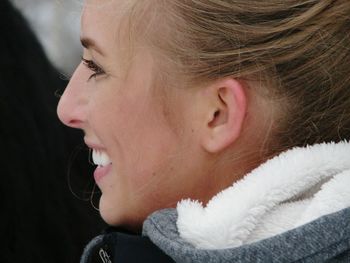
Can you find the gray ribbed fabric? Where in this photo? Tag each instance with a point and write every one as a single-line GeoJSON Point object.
{"type": "Point", "coordinates": [326, 239]}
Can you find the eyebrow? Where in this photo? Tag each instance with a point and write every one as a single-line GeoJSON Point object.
{"type": "Point", "coordinates": [90, 43]}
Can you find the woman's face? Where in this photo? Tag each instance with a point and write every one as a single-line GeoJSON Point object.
{"type": "Point", "coordinates": [144, 165]}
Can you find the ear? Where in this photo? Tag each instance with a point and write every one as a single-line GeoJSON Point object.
{"type": "Point", "coordinates": [226, 113]}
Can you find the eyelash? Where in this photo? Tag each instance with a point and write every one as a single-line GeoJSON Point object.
{"type": "Point", "coordinates": [91, 65]}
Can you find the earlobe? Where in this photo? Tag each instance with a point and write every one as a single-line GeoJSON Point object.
{"type": "Point", "coordinates": [226, 116]}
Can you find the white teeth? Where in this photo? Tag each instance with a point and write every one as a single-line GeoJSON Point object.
{"type": "Point", "coordinates": [100, 158]}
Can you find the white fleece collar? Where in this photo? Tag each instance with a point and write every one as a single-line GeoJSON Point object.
{"type": "Point", "coordinates": [287, 191]}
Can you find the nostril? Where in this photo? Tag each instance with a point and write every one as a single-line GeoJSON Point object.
{"type": "Point", "coordinates": [75, 123]}
{"type": "Point", "coordinates": [70, 112]}
{"type": "Point", "coordinates": [68, 116]}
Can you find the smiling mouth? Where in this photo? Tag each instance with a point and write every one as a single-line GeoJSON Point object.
{"type": "Point", "coordinates": [100, 158]}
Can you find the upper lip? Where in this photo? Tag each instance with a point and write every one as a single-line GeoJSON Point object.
{"type": "Point", "coordinates": [93, 145]}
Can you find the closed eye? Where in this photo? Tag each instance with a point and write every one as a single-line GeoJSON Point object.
{"type": "Point", "coordinates": [91, 65]}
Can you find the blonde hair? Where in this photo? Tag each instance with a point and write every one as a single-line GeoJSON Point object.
{"type": "Point", "coordinates": [298, 49]}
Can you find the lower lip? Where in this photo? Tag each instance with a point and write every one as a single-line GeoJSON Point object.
{"type": "Point", "coordinates": [101, 172]}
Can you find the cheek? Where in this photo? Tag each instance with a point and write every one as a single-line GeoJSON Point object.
{"type": "Point", "coordinates": [147, 144]}
{"type": "Point", "coordinates": [135, 132]}
{"type": "Point", "coordinates": [142, 151]}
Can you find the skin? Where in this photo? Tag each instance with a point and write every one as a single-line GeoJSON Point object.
{"type": "Point", "coordinates": [154, 163]}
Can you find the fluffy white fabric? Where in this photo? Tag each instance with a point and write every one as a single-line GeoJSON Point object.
{"type": "Point", "coordinates": [294, 188]}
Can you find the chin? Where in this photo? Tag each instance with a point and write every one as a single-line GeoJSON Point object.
{"type": "Point", "coordinates": [109, 219]}
{"type": "Point", "coordinates": [113, 216]}
{"type": "Point", "coordinates": [109, 213]}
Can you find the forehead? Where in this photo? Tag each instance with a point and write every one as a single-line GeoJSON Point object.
{"type": "Point", "coordinates": [101, 19]}
{"type": "Point", "coordinates": [97, 16]}
{"type": "Point", "coordinates": [105, 23]}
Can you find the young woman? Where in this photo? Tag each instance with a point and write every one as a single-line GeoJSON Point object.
{"type": "Point", "coordinates": [235, 115]}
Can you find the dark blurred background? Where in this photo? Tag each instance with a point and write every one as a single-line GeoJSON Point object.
{"type": "Point", "coordinates": [47, 214]}
{"type": "Point", "coordinates": [57, 25]}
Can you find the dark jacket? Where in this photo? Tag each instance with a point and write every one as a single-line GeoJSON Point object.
{"type": "Point", "coordinates": [118, 246]}
{"type": "Point", "coordinates": [324, 240]}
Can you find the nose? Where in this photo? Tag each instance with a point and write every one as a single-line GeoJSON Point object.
{"type": "Point", "coordinates": [71, 109]}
